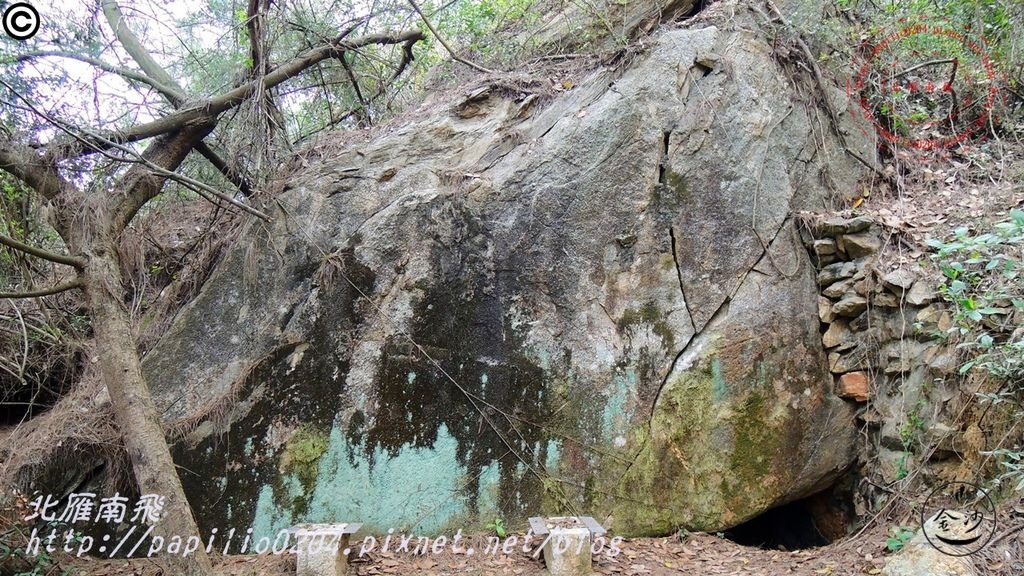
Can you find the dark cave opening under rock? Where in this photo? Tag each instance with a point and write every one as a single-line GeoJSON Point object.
{"type": "Point", "coordinates": [814, 521]}
{"type": "Point", "coordinates": [697, 7]}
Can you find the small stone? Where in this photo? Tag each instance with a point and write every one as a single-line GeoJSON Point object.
{"type": "Point", "coordinates": [838, 335]}
{"type": "Point", "coordinates": [825, 310]}
{"type": "Point", "coordinates": [886, 300]}
{"type": "Point", "coordinates": [854, 386]}
{"type": "Point", "coordinates": [837, 290]}
{"type": "Point", "coordinates": [870, 416]}
{"type": "Point", "coordinates": [834, 272]}
{"type": "Point", "coordinates": [837, 225]}
{"type": "Point", "coordinates": [928, 315]}
{"type": "Point", "coordinates": [921, 293]}
{"type": "Point", "coordinates": [850, 306]}
{"type": "Point", "coordinates": [826, 260]}
{"type": "Point", "coordinates": [860, 245]}
{"type": "Point", "coordinates": [892, 466]}
{"type": "Point", "coordinates": [861, 323]}
{"type": "Point", "coordinates": [862, 286]}
{"type": "Point", "coordinates": [898, 281]}
{"type": "Point", "coordinates": [824, 247]}
{"type": "Point", "coordinates": [843, 363]}
{"type": "Point", "coordinates": [940, 359]}
{"type": "Point", "coordinates": [945, 322]}
{"type": "Point", "coordinates": [902, 356]}
{"type": "Point", "coordinates": [922, 556]}
{"type": "Point", "coordinates": [626, 240]}
{"type": "Point", "coordinates": [940, 436]}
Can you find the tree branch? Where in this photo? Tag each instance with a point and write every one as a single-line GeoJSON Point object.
{"type": "Point", "coordinates": [254, 28]}
{"type": "Point", "coordinates": [144, 180]}
{"type": "Point", "coordinates": [407, 58]}
{"type": "Point", "coordinates": [359, 93]}
{"type": "Point", "coordinates": [40, 253]}
{"type": "Point", "coordinates": [167, 86]}
{"type": "Point", "coordinates": [170, 91]}
{"type": "Point", "coordinates": [44, 292]}
{"type": "Point", "coordinates": [134, 203]}
{"type": "Point", "coordinates": [451, 52]}
{"type": "Point", "coordinates": [131, 44]}
{"type": "Point", "coordinates": [25, 164]}
{"type": "Point", "coordinates": [241, 181]}
{"type": "Point", "coordinates": [952, 61]}
{"type": "Point", "coordinates": [208, 110]}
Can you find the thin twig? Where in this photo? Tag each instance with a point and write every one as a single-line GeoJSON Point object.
{"type": "Point", "coordinates": [925, 64]}
{"type": "Point", "coordinates": [43, 292]}
{"type": "Point", "coordinates": [40, 253]}
{"type": "Point", "coordinates": [94, 139]}
{"type": "Point", "coordinates": [451, 52]}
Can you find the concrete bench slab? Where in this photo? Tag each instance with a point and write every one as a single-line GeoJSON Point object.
{"type": "Point", "coordinates": [567, 543]}
{"type": "Point", "coordinates": [320, 549]}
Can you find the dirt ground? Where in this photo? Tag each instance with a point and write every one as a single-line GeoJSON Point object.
{"type": "Point", "coordinates": [697, 554]}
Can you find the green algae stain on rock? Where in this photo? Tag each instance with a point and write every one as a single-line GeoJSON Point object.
{"type": "Point", "coordinates": [615, 417]}
{"type": "Point", "coordinates": [718, 379]}
{"type": "Point", "coordinates": [399, 491]}
{"type": "Point", "coordinates": [710, 457]}
{"type": "Point", "coordinates": [722, 442]}
{"type": "Point", "coordinates": [672, 190]}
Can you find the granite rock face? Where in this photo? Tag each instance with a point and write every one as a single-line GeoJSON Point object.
{"type": "Point", "coordinates": [518, 303]}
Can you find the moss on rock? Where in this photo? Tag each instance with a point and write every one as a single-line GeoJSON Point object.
{"type": "Point", "coordinates": [301, 458]}
{"type": "Point", "coordinates": [651, 315]}
{"type": "Point", "coordinates": [711, 460]}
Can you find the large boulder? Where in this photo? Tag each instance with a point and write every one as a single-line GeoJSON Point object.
{"type": "Point", "coordinates": [592, 301]}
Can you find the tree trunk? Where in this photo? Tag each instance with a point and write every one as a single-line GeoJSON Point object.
{"type": "Point", "coordinates": [135, 412]}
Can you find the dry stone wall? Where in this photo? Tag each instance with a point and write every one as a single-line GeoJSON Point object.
{"type": "Point", "coordinates": [885, 333]}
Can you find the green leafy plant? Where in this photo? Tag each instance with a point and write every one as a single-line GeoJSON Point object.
{"type": "Point", "coordinates": [983, 285]}
{"type": "Point", "coordinates": [902, 471]}
{"type": "Point", "coordinates": [900, 536]}
{"type": "Point", "coordinates": [498, 526]}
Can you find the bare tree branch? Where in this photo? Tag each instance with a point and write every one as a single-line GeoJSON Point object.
{"type": "Point", "coordinates": [365, 115]}
{"type": "Point", "coordinates": [440, 39]}
{"type": "Point", "coordinates": [407, 58]}
{"type": "Point", "coordinates": [208, 110]}
{"type": "Point", "coordinates": [40, 253]}
{"type": "Point", "coordinates": [144, 180]}
{"type": "Point", "coordinates": [255, 14]}
{"type": "Point", "coordinates": [233, 175]}
{"type": "Point", "coordinates": [131, 44]}
{"type": "Point", "coordinates": [170, 91]}
{"type": "Point", "coordinates": [43, 292]}
{"type": "Point", "coordinates": [173, 91]}
{"type": "Point", "coordinates": [87, 137]}
{"type": "Point", "coordinates": [27, 165]}
{"type": "Point", "coordinates": [167, 86]}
